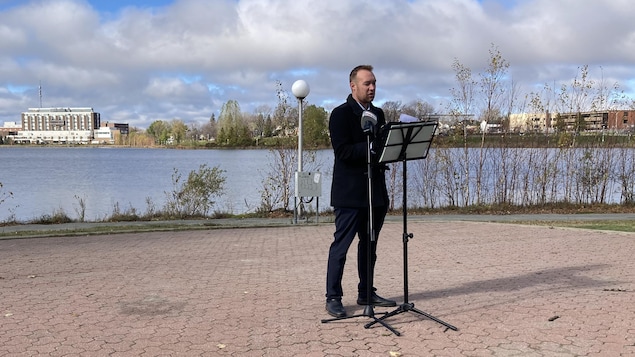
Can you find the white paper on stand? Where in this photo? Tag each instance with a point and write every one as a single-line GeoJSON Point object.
{"type": "Point", "coordinates": [405, 118]}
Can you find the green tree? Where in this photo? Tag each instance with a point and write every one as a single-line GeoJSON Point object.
{"type": "Point", "coordinates": [233, 131]}
{"type": "Point", "coordinates": [315, 126]}
{"type": "Point", "coordinates": [160, 131]}
{"type": "Point", "coordinates": [244, 136]}
{"type": "Point", "coordinates": [179, 129]}
{"type": "Point", "coordinates": [268, 127]}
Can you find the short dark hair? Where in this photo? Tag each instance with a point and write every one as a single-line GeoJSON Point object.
{"type": "Point", "coordinates": [353, 74]}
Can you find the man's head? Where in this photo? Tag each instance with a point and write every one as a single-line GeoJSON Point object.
{"type": "Point", "coordinates": [362, 81]}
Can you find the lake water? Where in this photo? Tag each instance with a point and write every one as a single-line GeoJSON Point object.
{"type": "Point", "coordinates": [45, 179]}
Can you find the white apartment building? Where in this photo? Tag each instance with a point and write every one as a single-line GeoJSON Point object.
{"type": "Point", "coordinates": [531, 122]}
{"type": "Point", "coordinates": [58, 125]}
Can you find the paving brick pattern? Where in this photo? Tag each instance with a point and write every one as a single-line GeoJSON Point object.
{"type": "Point", "coordinates": [511, 290]}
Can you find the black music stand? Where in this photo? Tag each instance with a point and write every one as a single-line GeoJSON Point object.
{"type": "Point", "coordinates": [404, 142]}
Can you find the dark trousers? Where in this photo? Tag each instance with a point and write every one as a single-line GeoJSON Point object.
{"type": "Point", "coordinates": [350, 222]}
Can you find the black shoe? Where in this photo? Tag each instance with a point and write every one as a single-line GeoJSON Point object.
{"type": "Point", "coordinates": [376, 301]}
{"type": "Point", "coordinates": [335, 308]}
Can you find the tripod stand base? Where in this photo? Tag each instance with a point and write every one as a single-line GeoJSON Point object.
{"type": "Point", "coordinates": [405, 307]}
{"type": "Point", "coordinates": [368, 312]}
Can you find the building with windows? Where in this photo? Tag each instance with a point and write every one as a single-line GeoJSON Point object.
{"type": "Point", "coordinates": [123, 129]}
{"type": "Point", "coordinates": [58, 125]}
{"type": "Point", "coordinates": [531, 122]}
{"type": "Point", "coordinates": [103, 135]}
{"type": "Point", "coordinates": [621, 120]}
{"type": "Point", "coordinates": [9, 128]}
{"type": "Point", "coordinates": [109, 133]}
{"type": "Point", "coordinates": [610, 120]}
{"type": "Point", "coordinates": [64, 126]}
{"type": "Point", "coordinates": [583, 121]}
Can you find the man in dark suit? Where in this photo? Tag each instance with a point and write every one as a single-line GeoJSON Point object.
{"type": "Point", "coordinates": [349, 192]}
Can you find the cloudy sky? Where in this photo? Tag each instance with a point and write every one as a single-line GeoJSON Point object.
{"type": "Point", "coordinates": [145, 60]}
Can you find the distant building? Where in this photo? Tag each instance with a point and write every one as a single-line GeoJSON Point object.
{"type": "Point", "coordinates": [611, 120]}
{"type": "Point", "coordinates": [621, 120]}
{"type": "Point", "coordinates": [109, 132]}
{"type": "Point", "coordinates": [531, 122]}
{"type": "Point", "coordinates": [64, 126]}
{"type": "Point", "coordinates": [123, 129]}
{"type": "Point", "coordinates": [583, 121]}
{"type": "Point", "coordinates": [58, 125]}
{"type": "Point", "coordinates": [103, 135]}
{"type": "Point", "coordinates": [60, 119]}
{"type": "Point", "coordinates": [10, 128]}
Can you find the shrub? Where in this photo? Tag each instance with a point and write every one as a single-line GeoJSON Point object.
{"type": "Point", "coordinates": [195, 196]}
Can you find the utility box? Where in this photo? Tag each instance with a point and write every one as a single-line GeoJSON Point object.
{"type": "Point", "coordinates": [308, 184]}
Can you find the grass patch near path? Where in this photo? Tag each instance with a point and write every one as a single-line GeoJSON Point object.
{"type": "Point", "coordinates": [101, 229]}
{"type": "Point", "coordinates": [618, 225]}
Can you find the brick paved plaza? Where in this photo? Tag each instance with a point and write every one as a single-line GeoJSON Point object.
{"type": "Point", "coordinates": [511, 290]}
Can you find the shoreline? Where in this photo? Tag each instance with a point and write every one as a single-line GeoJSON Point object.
{"type": "Point", "coordinates": [95, 228]}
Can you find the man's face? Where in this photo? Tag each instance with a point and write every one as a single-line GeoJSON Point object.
{"type": "Point", "coordinates": [363, 87]}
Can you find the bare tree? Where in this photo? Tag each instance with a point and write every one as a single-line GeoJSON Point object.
{"type": "Point", "coordinates": [284, 115]}
{"type": "Point", "coordinates": [208, 130]}
{"type": "Point", "coordinates": [492, 90]}
{"type": "Point", "coordinates": [418, 109]}
{"type": "Point", "coordinates": [461, 106]}
{"type": "Point", "coordinates": [392, 109]}
{"type": "Point", "coordinates": [4, 195]}
{"type": "Point", "coordinates": [491, 84]}
{"type": "Point", "coordinates": [277, 182]}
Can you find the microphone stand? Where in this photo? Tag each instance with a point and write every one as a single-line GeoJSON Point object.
{"type": "Point", "coordinates": [368, 127]}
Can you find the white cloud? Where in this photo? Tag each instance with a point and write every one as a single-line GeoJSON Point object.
{"type": "Point", "coordinates": [186, 59]}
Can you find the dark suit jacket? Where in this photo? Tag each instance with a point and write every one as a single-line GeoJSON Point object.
{"type": "Point", "coordinates": [349, 187]}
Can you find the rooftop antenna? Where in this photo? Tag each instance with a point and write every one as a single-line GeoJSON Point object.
{"type": "Point", "coordinates": [40, 93]}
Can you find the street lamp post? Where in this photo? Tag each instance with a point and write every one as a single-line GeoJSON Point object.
{"type": "Point", "coordinates": [300, 90]}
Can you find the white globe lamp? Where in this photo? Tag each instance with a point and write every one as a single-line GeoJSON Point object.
{"type": "Point", "coordinates": [300, 89]}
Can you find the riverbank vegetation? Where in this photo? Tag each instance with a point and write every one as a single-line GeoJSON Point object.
{"type": "Point", "coordinates": [191, 197]}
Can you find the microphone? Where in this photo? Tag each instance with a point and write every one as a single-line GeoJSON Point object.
{"type": "Point", "coordinates": [369, 121]}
